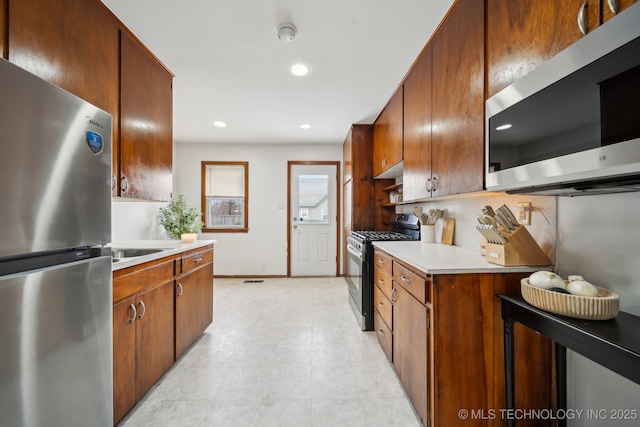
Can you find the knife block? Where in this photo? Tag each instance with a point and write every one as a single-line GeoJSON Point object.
{"type": "Point", "coordinates": [520, 249]}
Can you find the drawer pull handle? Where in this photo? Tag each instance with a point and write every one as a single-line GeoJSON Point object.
{"type": "Point", "coordinates": [197, 260]}
{"type": "Point", "coordinates": [134, 313]}
{"type": "Point", "coordinates": [380, 280]}
{"type": "Point", "coordinates": [381, 304]}
{"type": "Point", "coordinates": [381, 332]}
{"type": "Point", "coordinates": [381, 260]}
{"type": "Point", "coordinates": [406, 280]}
{"type": "Point", "coordinates": [614, 6]}
{"type": "Point", "coordinates": [144, 309]}
{"type": "Point", "coordinates": [179, 289]}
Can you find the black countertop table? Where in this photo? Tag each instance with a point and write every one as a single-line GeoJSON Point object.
{"type": "Point", "coordinates": [614, 343]}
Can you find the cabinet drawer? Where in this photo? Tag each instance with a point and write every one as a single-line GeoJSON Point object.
{"type": "Point", "coordinates": [383, 261]}
{"type": "Point", "coordinates": [142, 277]}
{"type": "Point", "coordinates": [195, 260]}
{"type": "Point", "coordinates": [383, 280]}
{"type": "Point", "coordinates": [416, 285]}
{"type": "Point", "coordinates": [383, 305]}
{"type": "Point", "coordinates": [384, 335]}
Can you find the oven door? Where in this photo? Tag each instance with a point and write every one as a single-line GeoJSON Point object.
{"type": "Point", "coordinates": [354, 278]}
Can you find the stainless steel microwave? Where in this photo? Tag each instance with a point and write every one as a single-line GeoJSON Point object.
{"type": "Point", "coordinates": [572, 125]}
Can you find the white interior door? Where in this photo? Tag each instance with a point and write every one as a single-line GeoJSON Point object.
{"type": "Point", "coordinates": [314, 220]}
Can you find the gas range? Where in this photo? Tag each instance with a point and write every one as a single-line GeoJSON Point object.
{"type": "Point", "coordinates": [404, 227]}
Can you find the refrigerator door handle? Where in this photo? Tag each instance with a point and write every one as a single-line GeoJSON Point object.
{"type": "Point", "coordinates": [134, 313]}
{"type": "Point", "coordinates": [143, 311]}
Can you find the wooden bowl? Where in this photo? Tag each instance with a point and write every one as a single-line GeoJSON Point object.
{"type": "Point", "coordinates": [603, 307]}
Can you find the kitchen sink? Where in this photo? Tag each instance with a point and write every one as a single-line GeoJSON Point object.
{"type": "Point", "coordinates": [118, 253]}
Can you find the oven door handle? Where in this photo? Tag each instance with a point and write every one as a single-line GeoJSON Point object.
{"type": "Point", "coordinates": [356, 253]}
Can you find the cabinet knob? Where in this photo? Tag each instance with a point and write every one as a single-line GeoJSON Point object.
{"type": "Point", "coordinates": [583, 17]}
{"type": "Point", "coordinates": [124, 183]}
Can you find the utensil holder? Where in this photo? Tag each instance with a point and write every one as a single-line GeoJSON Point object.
{"type": "Point", "coordinates": [521, 249]}
{"type": "Point", "coordinates": [428, 233]}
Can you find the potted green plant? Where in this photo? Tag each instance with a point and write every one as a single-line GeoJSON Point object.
{"type": "Point", "coordinates": [180, 221]}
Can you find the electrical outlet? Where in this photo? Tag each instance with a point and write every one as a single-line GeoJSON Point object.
{"type": "Point", "coordinates": [524, 213]}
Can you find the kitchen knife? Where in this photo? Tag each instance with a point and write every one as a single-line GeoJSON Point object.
{"type": "Point", "coordinates": [510, 215]}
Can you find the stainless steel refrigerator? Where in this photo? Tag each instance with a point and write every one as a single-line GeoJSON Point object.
{"type": "Point", "coordinates": [55, 283]}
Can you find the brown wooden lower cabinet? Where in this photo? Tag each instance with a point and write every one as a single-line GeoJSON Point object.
{"type": "Point", "coordinates": [194, 306]}
{"type": "Point", "coordinates": [152, 324]}
{"type": "Point", "coordinates": [448, 352]}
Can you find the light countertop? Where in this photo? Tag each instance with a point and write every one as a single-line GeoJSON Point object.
{"type": "Point", "coordinates": [437, 258]}
{"type": "Point", "coordinates": [170, 247]}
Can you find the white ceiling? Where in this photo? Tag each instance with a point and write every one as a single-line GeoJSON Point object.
{"type": "Point", "coordinates": [229, 64]}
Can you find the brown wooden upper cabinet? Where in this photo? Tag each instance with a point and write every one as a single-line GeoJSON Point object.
{"type": "Point", "coordinates": [457, 102]}
{"type": "Point", "coordinates": [387, 139]}
{"type": "Point", "coordinates": [56, 45]}
{"type": "Point", "coordinates": [537, 30]}
{"type": "Point", "coordinates": [416, 170]}
{"type": "Point", "coordinates": [146, 126]}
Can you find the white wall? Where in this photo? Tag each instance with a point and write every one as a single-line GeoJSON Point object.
{"type": "Point", "coordinates": [599, 238]}
{"type": "Point", "coordinates": [135, 220]}
{"type": "Point", "coordinates": [263, 250]}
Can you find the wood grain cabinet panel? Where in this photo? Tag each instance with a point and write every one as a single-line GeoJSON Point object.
{"type": "Point", "coordinates": [358, 188]}
{"type": "Point", "coordinates": [194, 299]}
{"type": "Point", "coordinates": [154, 337]}
{"type": "Point", "coordinates": [536, 29]}
{"type": "Point", "coordinates": [146, 125]}
{"type": "Point", "coordinates": [411, 350]}
{"type": "Point", "coordinates": [457, 148]}
{"type": "Point", "coordinates": [387, 135]}
{"type": "Point", "coordinates": [124, 357]}
{"type": "Point", "coordinates": [416, 171]}
{"type": "Point", "coordinates": [143, 344]}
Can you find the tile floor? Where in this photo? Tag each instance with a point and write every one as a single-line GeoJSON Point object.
{"type": "Point", "coordinates": [286, 352]}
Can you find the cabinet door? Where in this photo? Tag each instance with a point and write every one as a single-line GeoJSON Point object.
{"type": "Point", "coordinates": [154, 336]}
{"type": "Point", "coordinates": [416, 175]}
{"type": "Point", "coordinates": [411, 349]}
{"type": "Point", "coordinates": [194, 307]}
{"type": "Point", "coordinates": [146, 124]}
{"type": "Point", "coordinates": [124, 357]}
{"type": "Point", "coordinates": [76, 51]}
{"type": "Point", "coordinates": [387, 135]}
{"type": "Point", "coordinates": [458, 102]}
{"type": "Point", "coordinates": [523, 34]}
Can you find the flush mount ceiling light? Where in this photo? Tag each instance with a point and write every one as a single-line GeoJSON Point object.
{"type": "Point", "coordinates": [220, 124]}
{"type": "Point", "coordinates": [299, 70]}
{"type": "Point", "coordinates": [287, 32]}
{"type": "Point", "coordinates": [305, 126]}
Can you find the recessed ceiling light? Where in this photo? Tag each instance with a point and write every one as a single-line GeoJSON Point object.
{"type": "Point", "coordinates": [305, 126]}
{"type": "Point", "coordinates": [504, 127]}
{"type": "Point", "coordinates": [299, 70]}
{"type": "Point", "coordinates": [220, 124]}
